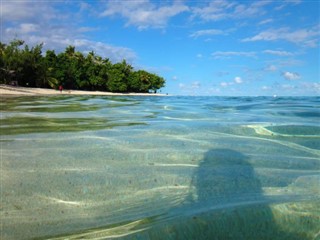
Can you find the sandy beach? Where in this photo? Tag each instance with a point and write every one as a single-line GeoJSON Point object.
{"type": "Point", "coordinates": [24, 91]}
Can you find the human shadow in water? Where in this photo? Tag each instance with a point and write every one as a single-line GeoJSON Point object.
{"type": "Point", "coordinates": [229, 202]}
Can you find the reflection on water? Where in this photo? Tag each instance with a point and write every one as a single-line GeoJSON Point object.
{"type": "Point", "coordinates": [159, 167]}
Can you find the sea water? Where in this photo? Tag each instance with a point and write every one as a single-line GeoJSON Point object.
{"type": "Point", "coordinates": [85, 167]}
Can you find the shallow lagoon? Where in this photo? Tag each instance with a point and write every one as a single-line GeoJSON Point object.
{"type": "Point", "coordinates": [160, 167]}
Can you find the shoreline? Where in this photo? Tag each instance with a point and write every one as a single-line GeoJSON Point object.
{"type": "Point", "coordinates": [8, 90]}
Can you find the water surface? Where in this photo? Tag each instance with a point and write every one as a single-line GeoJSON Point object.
{"type": "Point", "coordinates": [160, 167]}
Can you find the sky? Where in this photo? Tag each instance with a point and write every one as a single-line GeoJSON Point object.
{"type": "Point", "coordinates": [215, 48]}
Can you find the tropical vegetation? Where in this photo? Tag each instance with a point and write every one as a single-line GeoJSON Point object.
{"type": "Point", "coordinates": [29, 67]}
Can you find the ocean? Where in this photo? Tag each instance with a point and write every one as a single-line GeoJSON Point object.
{"type": "Point", "coordinates": [169, 167]}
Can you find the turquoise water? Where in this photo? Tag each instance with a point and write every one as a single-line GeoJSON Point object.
{"type": "Point", "coordinates": [78, 167]}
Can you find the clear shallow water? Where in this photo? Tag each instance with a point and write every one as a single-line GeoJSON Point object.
{"type": "Point", "coordinates": [160, 167]}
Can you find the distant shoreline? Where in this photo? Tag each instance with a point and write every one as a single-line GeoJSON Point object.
{"type": "Point", "coordinates": [6, 90]}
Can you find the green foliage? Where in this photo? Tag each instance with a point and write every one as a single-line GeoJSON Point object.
{"type": "Point", "coordinates": [140, 81]}
{"type": "Point", "coordinates": [119, 75]}
{"type": "Point", "coordinates": [22, 64]}
{"type": "Point", "coordinates": [71, 69]}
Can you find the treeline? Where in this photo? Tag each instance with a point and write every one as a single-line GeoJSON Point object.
{"type": "Point", "coordinates": [28, 67]}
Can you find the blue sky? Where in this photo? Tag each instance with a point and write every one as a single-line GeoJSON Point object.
{"type": "Point", "coordinates": [200, 47]}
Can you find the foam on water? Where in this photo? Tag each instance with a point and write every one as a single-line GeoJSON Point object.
{"type": "Point", "coordinates": [160, 167]}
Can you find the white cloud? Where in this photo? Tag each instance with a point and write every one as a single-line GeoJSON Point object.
{"type": "Point", "coordinates": [58, 38]}
{"type": "Point", "coordinates": [32, 22]}
{"type": "Point", "coordinates": [305, 37]}
{"type": "Point", "coordinates": [182, 86]}
{"type": "Point", "coordinates": [291, 62]}
{"type": "Point", "coordinates": [250, 10]}
{"type": "Point", "coordinates": [271, 68]}
{"type": "Point", "coordinates": [278, 53]}
{"type": "Point", "coordinates": [269, 35]}
{"type": "Point", "coordinates": [219, 54]}
{"type": "Point", "coordinates": [29, 27]}
{"type": "Point", "coordinates": [287, 87]}
{"type": "Point", "coordinates": [216, 10]}
{"type": "Point", "coordinates": [207, 32]}
{"type": "Point", "coordinates": [86, 29]}
{"type": "Point", "coordinates": [199, 55]}
{"type": "Point", "coordinates": [84, 6]}
{"type": "Point", "coordinates": [285, 3]}
{"type": "Point", "coordinates": [275, 64]}
{"type": "Point", "coordinates": [174, 78]}
{"type": "Point", "coordinates": [24, 28]}
{"type": "Point", "coordinates": [224, 84]}
{"type": "Point", "coordinates": [190, 88]}
{"type": "Point", "coordinates": [222, 73]}
{"type": "Point", "coordinates": [313, 87]}
{"type": "Point", "coordinates": [114, 53]}
{"type": "Point", "coordinates": [295, 2]}
{"type": "Point", "coordinates": [238, 80]}
{"type": "Point", "coordinates": [266, 88]}
{"type": "Point", "coordinates": [213, 90]}
{"type": "Point", "coordinates": [291, 76]}
{"type": "Point", "coordinates": [27, 11]}
{"type": "Point", "coordinates": [269, 20]}
{"type": "Point", "coordinates": [301, 88]}
{"type": "Point", "coordinates": [223, 9]}
{"type": "Point", "coordinates": [196, 84]}
{"type": "Point", "coordinates": [144, 14]}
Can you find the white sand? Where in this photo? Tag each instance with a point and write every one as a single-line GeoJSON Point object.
{"type": "Point", "coordinates": [19, 91]}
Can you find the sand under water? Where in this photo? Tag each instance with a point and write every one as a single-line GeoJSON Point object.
{"type": "Point", "coordinates": [128, 167]}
